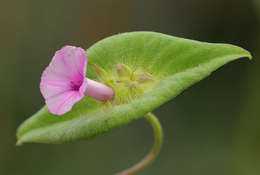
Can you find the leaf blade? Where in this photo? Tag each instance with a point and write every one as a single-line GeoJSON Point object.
{"type": "Point", "coordinates": [177, 63]}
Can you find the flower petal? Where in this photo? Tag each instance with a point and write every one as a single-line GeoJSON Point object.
{"type": "Point", "coordinates": [52, 88]}
{"type": "Point", "coordinates": [63, 103]}
{"type": "Point", "coordinates": [62, 82]}
{"type": "Point", "coordinates": [68, 63]}
{"type": "Point", "coordinates": [73, 59]}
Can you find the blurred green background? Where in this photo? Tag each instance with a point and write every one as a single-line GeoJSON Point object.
{"type": "Point", "coordinates": [211, 128]}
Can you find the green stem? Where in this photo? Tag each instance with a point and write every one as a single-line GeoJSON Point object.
{"type": "Point", "coordinates": [158, 138]}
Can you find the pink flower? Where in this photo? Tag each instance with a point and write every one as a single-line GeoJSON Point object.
{"type": "Point", "coordinates": [63, 82]}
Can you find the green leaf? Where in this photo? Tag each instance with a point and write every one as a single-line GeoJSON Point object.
{"type": "Point", "coordinates": [170, 64]}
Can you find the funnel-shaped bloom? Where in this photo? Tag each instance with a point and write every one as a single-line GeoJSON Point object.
{"type": "Point", "coordinates": [63, 82]}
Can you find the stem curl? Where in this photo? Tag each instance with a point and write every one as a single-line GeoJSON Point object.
{"type": "Point", "coordinates": [158, 138]}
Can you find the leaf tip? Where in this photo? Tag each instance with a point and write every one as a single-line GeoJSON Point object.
{"type": "Point", "coordinates": [247, 54]}
{"type": "Point", "coordinates": [19, 143]}
{"type": "Point", "coordinates": [250, 56]}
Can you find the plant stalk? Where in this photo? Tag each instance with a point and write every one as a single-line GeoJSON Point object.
{"type": "Point", "coordinates": [158, 138]}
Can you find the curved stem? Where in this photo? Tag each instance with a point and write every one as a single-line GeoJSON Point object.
{"type": "Point", "coordinates": [158, 138]}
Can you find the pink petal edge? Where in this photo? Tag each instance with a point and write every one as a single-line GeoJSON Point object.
{"type": "Point", "coordinates": [63, 81]}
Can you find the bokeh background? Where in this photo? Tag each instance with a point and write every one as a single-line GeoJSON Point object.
{"type": "Point", "coordinates": [211, 128]}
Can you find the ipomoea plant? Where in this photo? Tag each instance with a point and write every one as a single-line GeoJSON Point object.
{"type": "Point", "coordinates": [128, 76]}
